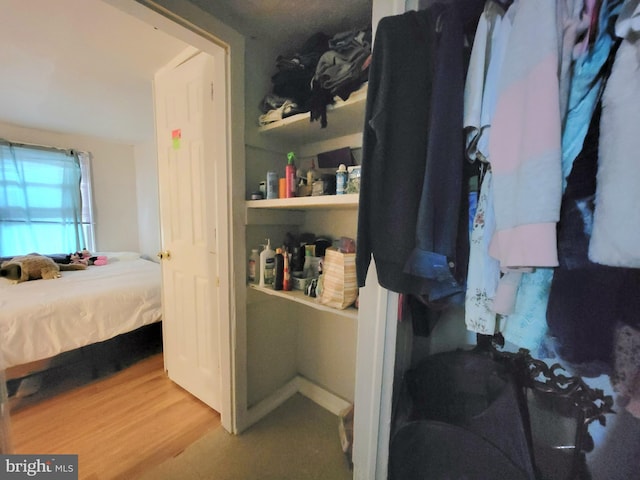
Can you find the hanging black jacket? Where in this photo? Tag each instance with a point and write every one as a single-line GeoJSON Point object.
{"type": "Point", "coordinates": [412, 187]}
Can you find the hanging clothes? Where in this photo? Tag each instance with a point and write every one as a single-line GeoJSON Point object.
{"type": "Point", "coordinates": [615, 240]}
{"type": "Point", "coordinates": [626, 369]}
{"type": "Point", "coordinates": [393, 146]}
{"type": "Point", "coordinates": [484, 271]}
{"type": "Point", "coordinates": [614, 244]}
{"type": "Point", "coordinates": [525, 141]}
{"type": "Point", "coordinates": [521, 297]}
{"type": "Point", "coordinates": [526, 327]}
{"type": "Point", "coordinates": [581, 313]}
{"type": "Point", "coordinates": [587, 301]}
{"type": "Point", "coordinates": [474, 86]}
{"type": "Point", "coordinates": [582, 307]}
{"type": "Point", "coordinates": [586, 85]}
{"type": "Point", "coordinates": [523, 294]}
{"type": "Point", "coordinates": [495, 53]}
{"type": "Point", "coordinates": [525, 155]}
{"type": "Point", "coordinates": [405, 182]}
{"type": "Point", "coordinates": [574, 22]}
{"type": "Point", "coordinates": [480, 95]}
{"type": "Point", "coordinates": [441, 244]}
{"type": "Point", "coordinates": [584, 298]}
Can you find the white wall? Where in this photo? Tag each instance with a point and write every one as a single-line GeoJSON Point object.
{"type": "Point", "coordinates": [114, 182]}
{"type": "Point", "coordinates": [146, 165]}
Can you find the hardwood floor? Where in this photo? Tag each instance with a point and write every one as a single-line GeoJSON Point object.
{"type": "Point", "coordinates": [119, 426]}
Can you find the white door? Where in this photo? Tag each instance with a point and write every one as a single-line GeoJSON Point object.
{"type": "Point", "coordinates": [192, 151]}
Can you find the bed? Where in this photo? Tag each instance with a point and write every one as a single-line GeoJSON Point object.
{"type": "Point", "coordinates": [42, 319]}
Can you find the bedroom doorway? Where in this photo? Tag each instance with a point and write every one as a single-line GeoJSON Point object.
{"type": "Point", "coordinates": [192, 155]}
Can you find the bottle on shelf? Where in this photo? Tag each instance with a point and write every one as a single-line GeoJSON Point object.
{"type": "Point", "coordinates": [254, 261]}
{"type": "Point", "coordinates": [286, 279]}
{"type": "Point", "coordinates": [272, 185]}
{"type": "Point", "coordinates": [312, 174]}
{"type": "Point", "coordinates": [290, 175]}
{"type": "Point", "coordinates": [279, 270]}
{"type": "Point", "coordinates": [297, 258]}
{"type": "Point", "coordinates": [267, 265]}
{"type": "Point", "coordinates": [309, 253]}
{"type": "Point", "coordinates": [341, 179]}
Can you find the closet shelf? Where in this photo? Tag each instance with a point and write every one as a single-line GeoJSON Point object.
{"type": "Point", "coordinates": [344, 117]}
{"type": "Point", "coordinates": [333, 202]}
{"type": "Point", "coordinates": [299, 297]}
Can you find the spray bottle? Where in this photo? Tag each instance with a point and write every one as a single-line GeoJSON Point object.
{"type": "Point", "coordinates": [290, 175]}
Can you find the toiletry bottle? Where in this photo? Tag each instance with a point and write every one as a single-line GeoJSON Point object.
{"type": "Point", "coordinates": [261, 263]}
{"type": "Point", "coordinates": [312, 174]}
{"type": "Point", "coordinates": [254, 261]}
{"type": "Point", "coordinates": [308, 262]}
{"type": "Point", "coordinates": [297, 259]}
{"type": "Point", "coordinates": [290, 175]}
{"type": "Point", "coordinates": [341, 180]}
{"type": "Point", "coordinates": [286, 279]}
{"type": "Point", "coordinates": [279, 270]}
{"type": "Point", "coordinates": [272, 185]}
{"type": "Point", "coordinates": [267, 265]}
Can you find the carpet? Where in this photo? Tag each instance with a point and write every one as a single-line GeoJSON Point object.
{"type": "Point", "coordinates": [297, 441]}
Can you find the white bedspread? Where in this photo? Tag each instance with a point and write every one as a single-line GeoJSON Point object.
{"type": "Point", "coordinates": [42, 318]}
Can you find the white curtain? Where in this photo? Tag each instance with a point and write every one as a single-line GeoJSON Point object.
{"type": "Point", "coordinates": [40, 200]}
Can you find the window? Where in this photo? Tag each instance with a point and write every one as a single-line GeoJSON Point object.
{"type": "Point", "coordinates": [86, 196]}
{"type": "Point", "coordinates": [45, 200]}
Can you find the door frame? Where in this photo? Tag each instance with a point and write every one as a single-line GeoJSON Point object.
{"type": "Point", "coordinates": [376, 350]}
{"type": "Point", "coordinates": [373, 364]}
{"type": "Point", "coordinates": [230, 189]}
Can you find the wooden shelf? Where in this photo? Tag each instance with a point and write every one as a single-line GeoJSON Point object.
{"type": "Point", "coordinates": [299, 297]}
{"type": "Point", "coordinates": [333, 202]}
{"type": "Point", "coordinates": [343, 118]}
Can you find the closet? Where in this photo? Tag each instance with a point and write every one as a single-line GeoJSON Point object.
{"type": "Point", "coordinates": [293, 342]}
{"type": "Point", "coordinates": [399, 344]}
{"type": "Point", "coordinates": [279, 343]}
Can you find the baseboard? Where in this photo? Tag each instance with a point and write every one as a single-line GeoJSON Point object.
{"type": "Point", "coordinates": [303, 386]}
{"type": "Point", "coordinates": [273, 401]}
{"type": "Point", "coordinates": [322, 397]}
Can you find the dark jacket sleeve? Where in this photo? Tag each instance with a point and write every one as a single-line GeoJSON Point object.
{"type": "Point", "coordinates": [394, 146]}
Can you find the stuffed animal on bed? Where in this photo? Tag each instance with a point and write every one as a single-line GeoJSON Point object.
{"type": "Point", "coordinates": [85, 258]}
{"type": "Point", "coordinates": [33, 267]}
{"type": "Point", "coordinates": [98, 260]}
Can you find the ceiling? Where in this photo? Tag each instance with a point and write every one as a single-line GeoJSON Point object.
{"type": "Point", "coordinates": [286, 24]}
{"type": "Point", "coordinates": [79, 66]}
{"type": "Point", "coordinates": [85, 67]}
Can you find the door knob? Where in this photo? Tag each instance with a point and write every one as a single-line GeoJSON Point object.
{"type": "Point", "coordinates": [165, 255]}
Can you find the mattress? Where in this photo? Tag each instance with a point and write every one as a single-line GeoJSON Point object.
{"type": "Point", "coordinates": [42, 318]}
